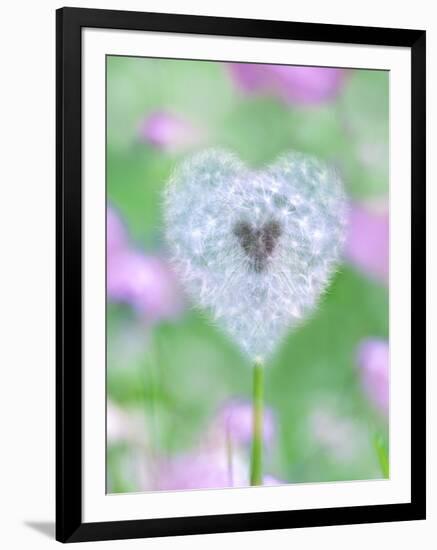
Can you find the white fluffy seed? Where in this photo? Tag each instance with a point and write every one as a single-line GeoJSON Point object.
{"type": "Point", "coordinates": [255, 248]}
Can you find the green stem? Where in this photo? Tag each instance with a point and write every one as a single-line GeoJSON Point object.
{"type": "Point", "coordinates": [382, 454]}
{"type": "Point", "coordinates": [257, 427]}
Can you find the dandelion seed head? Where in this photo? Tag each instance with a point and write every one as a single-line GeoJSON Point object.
{"type": "Point", "coordinates": [256, 249]}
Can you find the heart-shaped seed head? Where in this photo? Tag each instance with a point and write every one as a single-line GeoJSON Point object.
{"type": "Point", "coordinates": [255, 248]}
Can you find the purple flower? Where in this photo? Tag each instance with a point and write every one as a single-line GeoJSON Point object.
{"type": "Point", "coordinates": [235, 421]}
{"type": "Point", "coordinates": [168, 132]}
{"type": "Point", "coordinates": [271, 481]}
{"type": "Point", "coordinates": [116, 232]}
{"type": "Point", "coordinates": [144, 282]}
{"type": "Point", "coordinates": [221, 460]}
{"type": "Point", "coordinates": [367, 246]}
{"type": "Point", "coordinates": [207, 469]}
{"type": "Point", "coordinates": [373, 362]}
{"type": "Point", "coordinates": [203, 470]}
{"type": "Point", "coordinates": [301, 85]}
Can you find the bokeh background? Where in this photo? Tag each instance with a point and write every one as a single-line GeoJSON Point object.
{"type": "Point", "coordinates": [178, 391]}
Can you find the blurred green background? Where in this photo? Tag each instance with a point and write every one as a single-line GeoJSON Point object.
{"type": "Point", "coordinates": [166, 379]}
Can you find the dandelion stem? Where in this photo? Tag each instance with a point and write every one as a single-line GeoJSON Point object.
{"type": "Point", "coordinates": [257, 426]}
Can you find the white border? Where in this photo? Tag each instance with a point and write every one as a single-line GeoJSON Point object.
{"type": "Point", "coordinates": [97, 506]}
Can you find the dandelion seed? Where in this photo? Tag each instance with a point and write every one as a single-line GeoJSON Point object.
{"type": "Point", "coordinates": [260, 268]}
{"type": "Point", "coordinates": [255, 265]}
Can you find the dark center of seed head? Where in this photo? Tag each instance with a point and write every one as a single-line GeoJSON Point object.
{"type": "Point", "coordinates": [258, 243]}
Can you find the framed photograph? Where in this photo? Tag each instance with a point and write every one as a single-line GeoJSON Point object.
{"type": "Point", "coordinates": [240, 274]}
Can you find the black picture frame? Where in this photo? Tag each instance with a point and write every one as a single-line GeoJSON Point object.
{"type": "Point", "coordinates": [69, 24]}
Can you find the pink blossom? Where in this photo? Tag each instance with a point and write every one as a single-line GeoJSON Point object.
{"type": "Point", "coordinates": [373, 362]}
{"type": "Point", "coordinates": [367, 246]}
{"type": "Point", "coordinates": [235, 421]}
{"type": "Point", "coordinates": [145, 282]}
{"type": "Point", "coordinates": [168, 132]}
{"type": "Point", "coordinates": [271, 481]}
{"type": "Point", "coordinates": [221, 460]}
{"type": "Point", "coordinates": [292, 84]}
{"type": "Point", "coordinates": [116, 233]}
{"type": "Point", "coordinates": [203, 470]}
{"type": "Point", "coordinates": [207, 469]}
